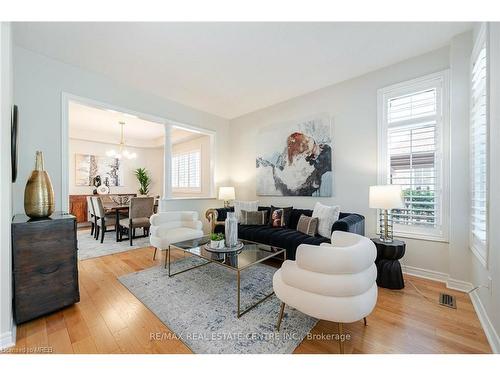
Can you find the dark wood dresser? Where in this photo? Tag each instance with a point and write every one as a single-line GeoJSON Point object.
{"type": "Point", "coordinates": [45, 265]}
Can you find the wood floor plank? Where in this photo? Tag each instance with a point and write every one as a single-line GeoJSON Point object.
{"type": "Point", "coordinates": [109, 319]}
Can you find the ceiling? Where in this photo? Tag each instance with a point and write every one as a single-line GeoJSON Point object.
{"type": "Point", "coordinates": [102, 125]}
{"type": "Point", "coordinates": [230, 69]}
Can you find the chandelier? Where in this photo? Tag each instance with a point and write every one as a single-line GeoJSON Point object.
{"type": "Point", "coordinates": [122, 151]}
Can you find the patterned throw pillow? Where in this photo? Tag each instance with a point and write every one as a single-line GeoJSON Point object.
{"type": "Point", "coordinates": [253, 217]}
{"type": "Point", "coordinates": [277, 218]}
{"type": "Point", "coordinates": [287, 212]}
{"type": "Point", "coordinates": [308, 225]}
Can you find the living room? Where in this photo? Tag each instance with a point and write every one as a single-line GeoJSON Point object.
{"type": "Point", "coordinates": [306, 180]}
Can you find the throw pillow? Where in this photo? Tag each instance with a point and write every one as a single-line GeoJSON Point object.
{"type": "Point", "coordinates": [277, 218]}
{"type": "Point", "coordinates": [327, 215]}
{"type": "Point", "coordinates": [287, 212]}
{"type": "Point", "coordinates": [253, 217]}
{"type": "Point", "coordinates": [244, 205]}
{"type": "Point", "coordinates": [308, 225]}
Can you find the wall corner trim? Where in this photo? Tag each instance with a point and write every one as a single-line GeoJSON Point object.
{"type": "Point", "coordinates": [485, 321]}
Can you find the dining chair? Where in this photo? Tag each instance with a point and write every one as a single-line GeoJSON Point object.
{"type": "Point", "coordinates": [91, 215]}
{"type": "Point", "coordinates": [139, 213]}
{"type": "Point", "coordinates": [103, 221]}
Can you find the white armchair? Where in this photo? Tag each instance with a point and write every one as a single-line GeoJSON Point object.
{"type": "Point", "coordinates": [334, 282]}
{"type": "Point", "coordinates": [173, 226]}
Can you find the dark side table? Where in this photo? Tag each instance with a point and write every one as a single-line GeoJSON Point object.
{"type": "Point", "coordinates": [389, 269]}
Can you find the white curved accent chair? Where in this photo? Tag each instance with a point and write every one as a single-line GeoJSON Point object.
{"type": "Point", "coordinates": [334, 282]}
{"type": "Point", "coordinates": [173, 226]}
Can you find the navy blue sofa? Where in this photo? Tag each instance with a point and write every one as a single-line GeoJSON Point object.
{"type": "Point", "coordinates": [285, 237]}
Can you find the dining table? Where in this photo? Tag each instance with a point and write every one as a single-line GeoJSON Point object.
{"type": "Point", "coordinates": [120, 211]}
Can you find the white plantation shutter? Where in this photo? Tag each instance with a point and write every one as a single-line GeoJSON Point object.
{"type": "Point", "coordinates": [412, 152]}
{"type": "Point", "coordinates": [411, 136]}
{"type": "Point", "coordinates": [186, 171]}
{"type": "Point", "coordinates": [479, 151]}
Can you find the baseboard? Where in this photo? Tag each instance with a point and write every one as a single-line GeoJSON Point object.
{"type": "Point", "coordinates": [425, 274]}
{"type": "Point", "coordinates": [8, 339]}
{"type": "Point", "coordinates": [488, 328]}
{"type": "Point", "coordinates": [461, 286]}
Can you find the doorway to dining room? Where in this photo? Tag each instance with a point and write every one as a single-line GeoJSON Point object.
{"type": "Point", "coordinates": [112, 154]}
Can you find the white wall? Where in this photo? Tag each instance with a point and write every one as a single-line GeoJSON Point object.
{"type": "Point", "coordinates": [353, 107]}
{"type": "Point", "coordinates": [488, 300]}
{"type": "Point", "coordinates": [7, 328]}
{"type": "Point", "coordinates": [460, 256]}
{"type": "Point", "coordinates": [147, 157]}
{"type": "Point", "coordinates": [38, 85]}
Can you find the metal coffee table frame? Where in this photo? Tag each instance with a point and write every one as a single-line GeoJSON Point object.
{"type": "Point", "coordinates": [240, 310]}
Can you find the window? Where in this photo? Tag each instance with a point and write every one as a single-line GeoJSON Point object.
{"type": "Point", "coordinates": [479, 148]}
{"type": "Point", "coordinates": [186, 171]}
{"type": "Point", "coordinates": [412, 129]}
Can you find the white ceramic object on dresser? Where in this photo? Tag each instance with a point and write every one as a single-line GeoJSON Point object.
{"type": "Point", "coordinates": [174, 226]}
{"type": "Point", "coordinates": [327, 215]}
{"type": "Point", "coordinates": [334, 282]}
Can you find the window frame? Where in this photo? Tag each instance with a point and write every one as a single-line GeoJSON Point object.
{"type": "Point", "coordinates": [480, 251]}
{"type": "Point", "coordinates": [187, 189]}
{"type": "Point", "coordinates": [441, 81]}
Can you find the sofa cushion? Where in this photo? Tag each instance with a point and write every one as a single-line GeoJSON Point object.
{"type": "Point", "coordinates": [295, 216]}
{"type": "Point", "coordinates": [244, 205]}
{"type": "Point", "coordinates": [277, 219]}
{"type": "Point", "coordinates": [308, 225]}
{"type": "Point", "coordinates": [253, 217]}
{"type": "Point", "coordinates": [257, 233]}
{"type": "Point", "coordinates": [290, 239]}
{"type": "Point", "coordinates": [287, 212]}
{"type": "Point", "coordinates": [327, 215]}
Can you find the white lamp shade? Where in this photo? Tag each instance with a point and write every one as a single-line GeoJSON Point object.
{"type": "Point", "coordinates": [386, 197]}
{"type": "Point", "coordinates": [226, 193]}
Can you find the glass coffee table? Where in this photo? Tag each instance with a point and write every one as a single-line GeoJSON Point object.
{"type": "Point", "coordinates": [251, 254]}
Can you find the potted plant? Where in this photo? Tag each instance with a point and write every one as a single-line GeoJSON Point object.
{"type": "Point", "coordinates": [144, 180]}
{"type": "Point", "coordinates": [217, 241]}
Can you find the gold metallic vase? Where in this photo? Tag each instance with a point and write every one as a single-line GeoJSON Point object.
{"type": "Point", "coordinates": [38, 194]}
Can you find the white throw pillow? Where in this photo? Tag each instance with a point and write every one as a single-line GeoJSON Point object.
{"type": "Point", "coordinates": [327, 215]}
{"type": "Point", "coordinates": [244, 205]}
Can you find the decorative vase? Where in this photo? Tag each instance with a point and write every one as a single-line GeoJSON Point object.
{"type": "Point", "coordinates": [217, 244]}
{"type": "Point", "coordinates": [231, 230]}
{"type": "Point", "coordinates": [39, 194]}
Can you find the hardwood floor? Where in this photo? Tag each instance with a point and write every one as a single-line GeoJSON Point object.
{"type": "Point", "coordinates": [109, 319]}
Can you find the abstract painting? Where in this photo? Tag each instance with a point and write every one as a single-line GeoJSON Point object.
{"type": "Point", "coordinates": [295, 159]}
{"type": "Point", "coordinates": [89, 166]}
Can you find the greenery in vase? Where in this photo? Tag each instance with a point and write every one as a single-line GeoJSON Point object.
{"type": "Point", "coordinates": [144, 180]}
{"type": "Point", "coordinates": [216, 236]}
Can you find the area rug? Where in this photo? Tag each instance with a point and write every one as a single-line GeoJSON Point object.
{"type": "Point", "coordinates": [88, 247]}
{"type": "Point", "coordinates": [199, 306]}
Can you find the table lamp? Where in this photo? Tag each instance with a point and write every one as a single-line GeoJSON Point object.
{"type": "Point", "coordinates": [386, 198]}
{"type": "Point", "coordinates": [226, 194]}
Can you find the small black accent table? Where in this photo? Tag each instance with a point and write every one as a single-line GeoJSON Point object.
{"type": "Point", "coordinates": [389, 269]}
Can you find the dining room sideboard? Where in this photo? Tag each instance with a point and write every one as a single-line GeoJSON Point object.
{"type": "Point", "coordinates": [78, 204]}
